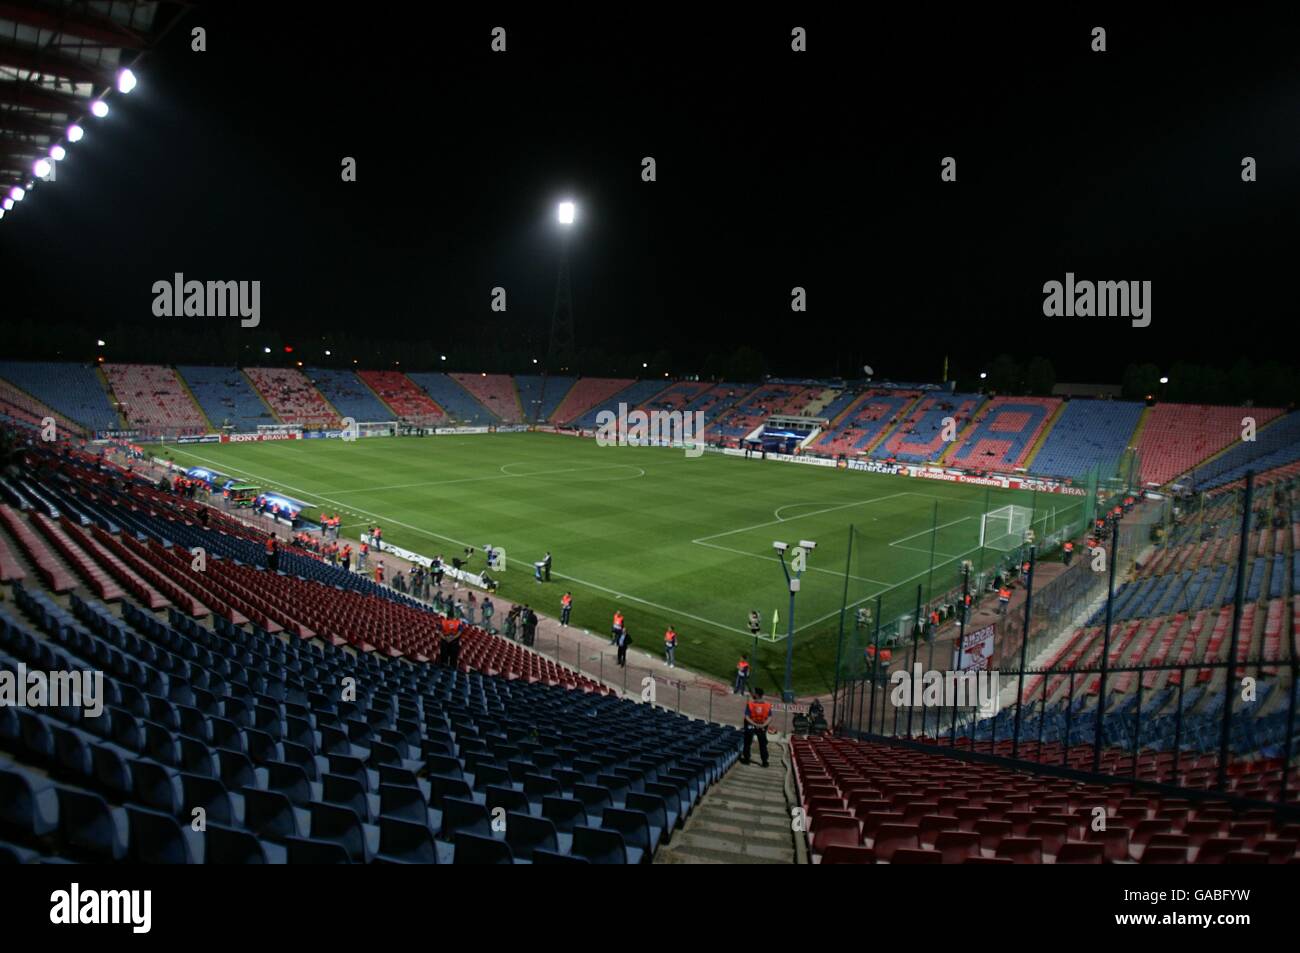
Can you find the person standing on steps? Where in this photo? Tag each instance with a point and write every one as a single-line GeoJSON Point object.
{"type": "Point", "coordinates": [757, 714]}
{"type": "Point", "coordinates": [670, 646]}
{"type": "Point", "coordinates": [624, 640]}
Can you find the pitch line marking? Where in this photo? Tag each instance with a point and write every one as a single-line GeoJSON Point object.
{"type": "Point", "coordinates": [829, 509]}
{"type": "Point", "coordinates": [461, 542]}
{"type": "Point", "coordinates": [775, 559]}
{"type": "Point", "coordinates": [859, 602]}
{"type": "Point", "coordinates": [504, 476]}
{"type": "Point", "coordinates": [903, 539]}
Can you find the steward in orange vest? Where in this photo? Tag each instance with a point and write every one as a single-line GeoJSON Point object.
{"type": "Point", "coordinates": [670, 647]}
{"type": "Point", "coordinates": [757, 714]}
{"type": "Point", "coordinates": [742, 675]}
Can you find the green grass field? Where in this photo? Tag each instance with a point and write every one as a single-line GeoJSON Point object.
{"type": "Point", "coordinates": [664, 537]}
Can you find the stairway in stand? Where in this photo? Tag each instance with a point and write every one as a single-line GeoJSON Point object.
{"type": "Point", "coordinates": [743, 819]}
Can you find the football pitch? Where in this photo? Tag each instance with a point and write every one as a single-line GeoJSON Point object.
{"type": "Point", "coordinates": [663, 537]}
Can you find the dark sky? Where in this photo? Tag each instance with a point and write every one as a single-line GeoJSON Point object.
{"type": "Point", "coordinates": [775, 169]}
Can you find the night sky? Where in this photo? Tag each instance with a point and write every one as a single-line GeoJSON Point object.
{"type": "Point", "coordinates": [775, 169]}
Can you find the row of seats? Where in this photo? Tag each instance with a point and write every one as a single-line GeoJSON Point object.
{"type": "Point", "coordinates": [1087, 434]}
{"type": "Point", "coordinates": [255, 731]}
{"type": "Point", "coordinates": [227, 397]}
{"type": "Point", "coordinates": [292, 397]}
{"type": "Point", "coordinates": [407, 400]}
{"type": "Point", "coordinates": [153, 400]}
{"type": "Point", "coordinates": [349, 395]}
{"type": "Point", "coordinates": [455, 401]}
{"type": "Point", "coordinates": [1178, 437]}
{"type": "Point", "coordinates": [1003, 433]}
{"type": "Point", "coordinates": [866, 419]}
{"type": "Point", "coordinates": [74, 390]}
{"type": "Point", "coordinates": [920, 438]}
{"type": "Point", "coordinates": [868, 802]}
{"type": "Point", "coordinates": [541, 394]}
{"type": "Point", "coordinates": [496, 392]}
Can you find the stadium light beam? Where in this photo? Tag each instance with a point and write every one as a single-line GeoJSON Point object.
{"type": "Point", "coordinates": [567, 212]}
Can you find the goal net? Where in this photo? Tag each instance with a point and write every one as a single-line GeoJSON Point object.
{"type": "Point", "coordinates": [1004, 529]}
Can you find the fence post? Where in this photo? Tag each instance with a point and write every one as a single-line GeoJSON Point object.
{"type": "Point", "coordinates": [839, 643]}
{"type": "Point", "coordinates": [1137, 728]}
{"type": "Point", "coordinates": [1238, 597]}
{"type": "Point", "coordinates": [1024, 651]}
{"type": "Point", "coordinates": [875, 671]}
{"type": "Point", "coordinates": [1105, 650]}
{"type": "Point", "coordinates": [916, 632]}
{"type": "Point", "coordinates": [1290, 729]}
{"type": "Point", "coordinates": [1069, 722]}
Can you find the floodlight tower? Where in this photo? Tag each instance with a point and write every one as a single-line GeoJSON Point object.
{"type": "Point", "coordinates": [799, 562]}
{"type": "Point", "coordinates": [562, 337]}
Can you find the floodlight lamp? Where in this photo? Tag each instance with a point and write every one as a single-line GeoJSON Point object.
{"type": "Point", "coordinates": [41, 167]}
{"type": "Point", "coordinates": [99, 109]}
{"type": "Point", "coordinates": [58, 153]}
{"type": "Point", "coordinates": [125, 81]}
{"type": "Point", "coordinates": [566, 213]}
{"type": "Point", "coordinates": [75, 133]}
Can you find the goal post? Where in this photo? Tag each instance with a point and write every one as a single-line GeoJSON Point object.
{"type": "Point", "coordinates": [1004, 529]}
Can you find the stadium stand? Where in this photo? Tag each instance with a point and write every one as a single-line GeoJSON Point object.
{"type": "Point", "coordinates": [676, 396]}
{"type": "Point", "coordinates": [239, 710]}
{"type": "Point", "coordinates": [153, 399]}
{"type": "Point", "coordinates": [227, 397]}
{"type": "Point", "coordinates": [919, 438]}
{"type": "Point", "coordinates": [639, 393]}
{"type": "Point", "coordinates": [865, 420]}
{"type": "Point", "coordinates": [1002, 433]}
{"type": "Point", "coordinates": [541, 394]}
{"type": "Point", "coordinates": [715, 402]}
{"type": "Point", "coordinates": [292, 397]}
{"type": "Point", "coordinates": [869, 802]}
{"type": "Point", "coordinates": [349, 395]}
{"type": "Point", "coordinates": [456, 402]}
{"type": "Point", "coordinates": [585, 394]}
{"type": "Point", "coordinates": [1178, 437]}
{"type": "Point", "coordinates": [496, 392]}
{"type": "Point", "coordinates": [20, 407]}
{"type": "Point", "coordinates": [73, 390]}
{"type": "Point", "coordinates": [1088, 433]}
{"type": "Point", "coordinates": [405, 399]}
{"type": "Point", "coordinates": [1275, 446]}
{"type": "Point", "coordinates": [759, 404]}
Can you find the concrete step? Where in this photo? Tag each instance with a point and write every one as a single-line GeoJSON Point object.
{"type": "Point", "coordinates": [743, 819]}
